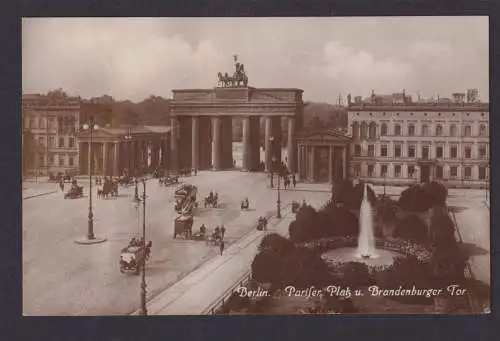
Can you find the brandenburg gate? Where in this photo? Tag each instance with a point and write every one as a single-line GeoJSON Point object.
{"type": "Point", "coordinates": [201, 124]}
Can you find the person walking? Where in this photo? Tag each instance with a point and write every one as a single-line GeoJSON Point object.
{"type": "Point", "coordinates": [61, 185]}
{"type": "Point", "coordinates": [294, 181]}
{"type": "Point", "coordinates": [222, 231]}
{"type": "Point", "coordinates": [221, 245]}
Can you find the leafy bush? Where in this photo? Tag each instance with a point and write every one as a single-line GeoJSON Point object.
{"type": "Point", "coordinates": [275, 242]}
{"type": "Point", "coordinates": [299, 267]}
{"type": "Point", "coordinates": [437, 193]}
{"type": "Point", "coordinates": [408, 272]}
{"type": "Point", "coordinates": [346, 193]}
{"type": "Point", "coordinates": [415, 199]}
{"type": "Point", "coordinates": [412, 229]}
{"type": "Point", "coordinates": [355, 275]}
{"type": "Point", "coordinates": [443, 230]}
{"type": "Point", "coordinates": [386, 210]}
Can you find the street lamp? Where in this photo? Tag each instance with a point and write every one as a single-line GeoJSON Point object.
{"type": "Point", "coordinates": [91, 238]}
{"type": "Point", "coordinates": [143, 310]}
{"type": "Point", "coordinates": [128, 137]}
{"type": "Point", "coordinates": [278, 202]}
{"type": "Point", "coordinates": [271, 166]}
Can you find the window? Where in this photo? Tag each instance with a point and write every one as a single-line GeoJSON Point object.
{"type": "Point", "coordinates": [453, 152]}
{"type": "Point", "coordinates": [71, 142]}
{"type": "Point", "coordinates": [482, 151]}
{"type": "Point", "coordinates": [383, 170]}
{"type": "Point", "coordinates": [357, 170]}
{"type": "Point", "coordinates": [411, 130]}
{"type": "Point", "coordinates": [439, 152]}
{"type": "Point", "coordinates": [482, 173]}
{"type": "Point", "coordinates": [41, 160]}
{"type": "Point", "coordinates": [467, 152]}
{"type": "Point", "coordinates": [467, 172]}
{"type": "Point", "coordinates": [355, 130]}
{"type": "Point", "coordinates": [453, 172]}
{"type": "Point", "coordinates": [482, 130]}
{"type": "Point", "coordinates": [425, 130]}
{"type": "Point", "coordinates": [41, 140]}
{"type": "Point", "coordinates": [52, 159]}
{"type": "Point", "coordinates": [371, 150]}
{"type": "Point", "coordinates": [397, 130]}
{"type": "Point", "coordinates": [383, 129]}
{"type": "Point", "coordinates": [453, 130]}
{"type": "Point", "coordinates": [61, 160]}
{"type": "Point", "coordinates": [439, 130]}
{"type": "Point", "coordinates": [411, 150]}
{"type": "Point", "coordinates": [372, 131]}
{"type": "Point", "coordinates": [425, 152]}
{"type": "Point", "coordinates": [411, 171]}
{"type": "Point", "coordinates": [52, 142]}
{"type": "Point", "coordinates": [439, 172]}
{"type": "Point", "coordinates": [383, 150]}
{"type": "Point", "coordinates": [397, 150]}
{"type": "Point", "coordinates": [357, 150]}
{"type": "Point", "coordinates": [397, 171]}
{"type": "Point", "coordinates": [371, 171]}
{"type": "Point", "coordinates": [467, 131]}
{"type": "Point", "coordinates": [71, 160]}
{"type": "Point", "coordinates": [42, 123]}
{"type": "Point", "coordinates": [364, 128]}
{"type": "Point", "coordinates": [32, 122]}
{"type": "Point", "coordinates": [60, 124]}
{"type": "Point", "coordinates": [61, 142]}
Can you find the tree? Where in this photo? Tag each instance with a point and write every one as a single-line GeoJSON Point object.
{"type": "Point", "coordinates": [412, 229]}
{"type": "Point", "coordinates": [275, 242]}
{"type": "Point", "coordinates": [414, 199]}
{"type": "Point", "coordinates": [355, 275]}
{"type": "Point", "coordinates": [436, 192]}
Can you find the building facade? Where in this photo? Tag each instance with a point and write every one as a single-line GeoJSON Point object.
{"type": "Point", "coordinates": [323, 155]}
{"type": "Point", "coordinates": [399, 142]}
{"type": "Point", "coordinates": [49, 127]}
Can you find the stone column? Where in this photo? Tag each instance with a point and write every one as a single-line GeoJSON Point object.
{"type": "Point", "coordinates": [330, 164]}
{"type": "Point", "coordinates": [216, 140]}
{"type": "Point", "coordinates": [204, 143]}
{"type": "Point", "coordinates": [195, 143]}
{"type": "Point", "coordinates": [254, 143]}
{"type": "Point", "coordinates": [300, 167]}
{"type": "Point", "coordinates": [246, 145]}
{"type": "Point", "coordinates": [105, 159]}
{"type": "Point", "coordinates": [291, 147]}
{"type": "Point", "coordinates": [226, 142]}
{"type": "Point", "coordinates": [267, 142]}
{"type": "Point", "coordinates": [313, 165]}
{"type": "Point", "coordinates": [276, 133]}
{"type": "Point", "coordinates": [116, 151]}
{"type": "Point", "coordinates": [174, 146]}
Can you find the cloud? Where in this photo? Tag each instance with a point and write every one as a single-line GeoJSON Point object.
{"type": "Point", "coordinates": [133, 58]}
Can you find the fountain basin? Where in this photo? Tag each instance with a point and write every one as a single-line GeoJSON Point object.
{"type": "Point", "coordinates": [381, 257]}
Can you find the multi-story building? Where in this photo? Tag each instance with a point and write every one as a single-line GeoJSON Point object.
{"type": "Point", "coordinates": [398, 141]}
{"type": "Point", "coordinates": [50, 124]}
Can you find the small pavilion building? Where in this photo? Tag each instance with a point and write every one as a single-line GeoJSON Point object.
{"type": "Point", "coordinates": [119, 150]}
{"type": "Point", "coordinates": [323, 155]}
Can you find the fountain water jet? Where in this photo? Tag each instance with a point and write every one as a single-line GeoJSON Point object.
{"type": "Point", "coordinates": [366, 240]}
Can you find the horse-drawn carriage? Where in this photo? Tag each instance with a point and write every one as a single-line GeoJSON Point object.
{"type": "Point", "coordinates": [211, 200]}
{"type": "Point", "coordinates": [186, 190]}
{"type": "Point", "coordinates": [74, 192]}
{"type": "Point", "coordinates": [245, 204]}
{"type": "Point", "coordinates": [168, 180]}
{"type": "Point", "coordinates": [183, 225]}
{"type": "Point", "coordinates": [108, 188]}
{"type": "Point", "coordinates": [261, 223]}
{"type": "Point", "coordinates": [125, 181]}
{"type": "Point", "coordinates": [134, 256]}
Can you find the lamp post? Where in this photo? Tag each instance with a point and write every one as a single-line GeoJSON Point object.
{"type": "Point", "coordinates": [91, 238]}
{"type": "Point", "coordinates": [278, 202]}
{"type": "Point", "coordinates": [271, 166]}
{"type": "Point", "coordinates": [143, 310]}
{"type": "Point", "coordinates": [128, 137]}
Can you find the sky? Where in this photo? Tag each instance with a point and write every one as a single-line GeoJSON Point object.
{"type": "Point", "coordinates": [134, 58]}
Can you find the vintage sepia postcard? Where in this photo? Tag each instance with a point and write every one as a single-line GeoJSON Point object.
{"type": "Point", "coordinates": [255, 166]}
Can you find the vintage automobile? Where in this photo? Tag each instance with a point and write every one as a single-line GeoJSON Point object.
{"type": "Point", "coordinates": [74, 192]}
{"type": "Point", "coordinates": [133, 256]}
{"type": "Point", "coordinates": [183, 225]}
{"type": "Point", "coordinates": [245, 204]}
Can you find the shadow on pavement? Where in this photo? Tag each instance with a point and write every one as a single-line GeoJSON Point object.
{"type": "Point", "coordinates": [457, 209]}
{"type": "Point", "coordinates": [470, 249]}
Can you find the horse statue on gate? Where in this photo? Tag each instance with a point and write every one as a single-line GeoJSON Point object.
{"type": "Point", "coordinates": [224, 80]}
{"type": "Point", "coordinates": [240, 76]}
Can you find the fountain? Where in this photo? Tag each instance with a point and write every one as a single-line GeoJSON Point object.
{"type": "Point", "coordinates": [366, 250]}
{"type": "Point", "coordinates": [366, 240]}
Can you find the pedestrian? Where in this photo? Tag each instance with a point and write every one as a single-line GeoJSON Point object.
{"type": "Point", "coordinates": [221, 245]}
{"type": "Point", "coordinates": [294, 180]}
{"type": "Point", "coordinates": [61, 186]}
{"type": "Point", "coordinates": [222, 231]}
